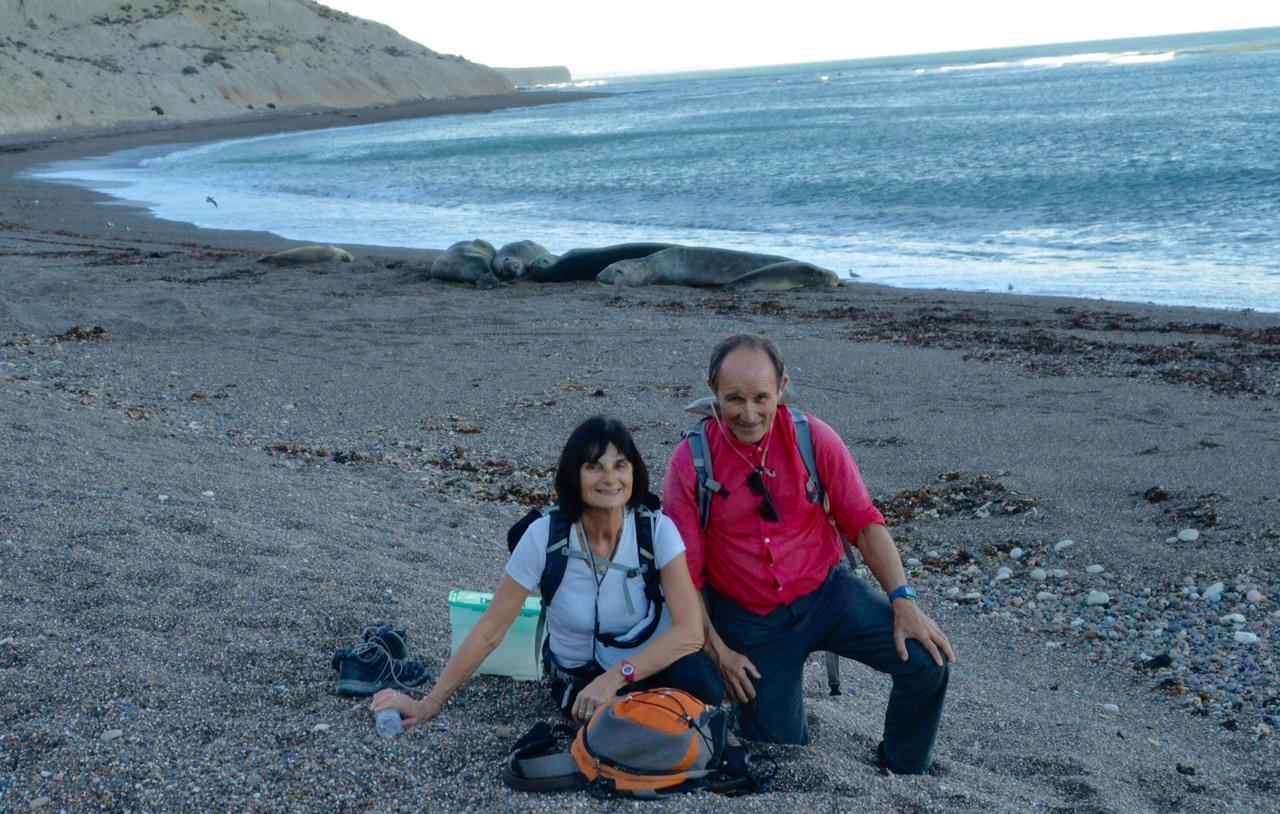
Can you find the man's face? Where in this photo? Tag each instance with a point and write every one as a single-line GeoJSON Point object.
{"type": "Point", "coordinates": [748, 393]}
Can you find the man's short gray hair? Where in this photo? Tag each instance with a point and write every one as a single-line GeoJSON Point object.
{"type": "Point", "coordinates": [751, 342]}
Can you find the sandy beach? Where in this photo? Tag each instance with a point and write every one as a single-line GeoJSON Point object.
{"type": "Point", "coordinates": [216, 472]}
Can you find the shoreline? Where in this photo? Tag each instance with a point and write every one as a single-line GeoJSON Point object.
{"type": "Point", "coordinates": [82, 209]}
{"type": "Point", "coordinates": [215, 473]}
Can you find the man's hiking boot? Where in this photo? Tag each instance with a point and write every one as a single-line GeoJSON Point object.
{"type": "Point", "coordinates": [392, 638]}
{"type": "Point", "coordinates": [369, 667]}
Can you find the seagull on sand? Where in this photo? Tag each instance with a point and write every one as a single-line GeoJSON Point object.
{"type": "Point", "coordinates": [210, 199]}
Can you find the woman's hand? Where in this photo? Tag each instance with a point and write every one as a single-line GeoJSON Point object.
{"type": "Point", "coordinates": [597, 694]}
{"type": "Point", "coordinates": [411, 712]}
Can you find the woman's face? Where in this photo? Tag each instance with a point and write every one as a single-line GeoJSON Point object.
{"type": "Point", "coordinates": [606, 481]}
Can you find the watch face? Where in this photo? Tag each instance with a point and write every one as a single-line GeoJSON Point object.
{"type": "Point", "coordinates": [628, 669]}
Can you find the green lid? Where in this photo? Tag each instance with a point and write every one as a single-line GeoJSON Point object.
{"type": "Point", "coordinates": [479, 601]}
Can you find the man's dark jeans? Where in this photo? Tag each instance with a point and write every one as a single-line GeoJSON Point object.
{"type": "Point", "coordinates": [844, 616]}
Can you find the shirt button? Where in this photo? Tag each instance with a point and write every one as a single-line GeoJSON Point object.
{"type": "Point", "coordinates": [766, 541]}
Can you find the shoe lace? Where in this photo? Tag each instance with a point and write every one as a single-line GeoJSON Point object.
{"type": "Point", "coordinates": [392, 668]}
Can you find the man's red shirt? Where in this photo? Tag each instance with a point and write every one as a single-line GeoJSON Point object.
{"type": "Point", "coordinates": [761, 564]}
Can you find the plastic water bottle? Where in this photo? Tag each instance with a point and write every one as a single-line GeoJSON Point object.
{"type": "Point", "coordinates": [388, 723]}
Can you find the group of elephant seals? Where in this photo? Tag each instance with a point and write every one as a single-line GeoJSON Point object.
{"type": "Point", "coordinates": [467, 261]}
{"type": "Point", "coordinates": [307, 255]}
{"type": "Point", "coordinates": [686, 265]}
{"type": "Point", "coordinates": [586, 264]}
{"type": "Point", "coordinates": [521, 258]}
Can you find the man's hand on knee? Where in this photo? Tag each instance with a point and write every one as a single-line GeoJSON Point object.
{"type": "Point", "coordinates": [909, 622]}
{"type": "Point", "coordinates": [736, 671]}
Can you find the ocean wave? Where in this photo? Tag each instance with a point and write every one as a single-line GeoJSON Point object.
{"type": "Point", "coordinates": [1096, 58]}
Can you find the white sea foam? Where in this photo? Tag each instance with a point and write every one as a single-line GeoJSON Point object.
{"type": "Point", "coordinates": [1095, 58]}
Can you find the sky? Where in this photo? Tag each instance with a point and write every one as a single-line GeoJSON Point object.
{"type": "Point", "coordinates": [598, 38]}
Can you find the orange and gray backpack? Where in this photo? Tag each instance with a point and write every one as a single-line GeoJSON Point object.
{"type": "Point", "coordinates": [646, 744]}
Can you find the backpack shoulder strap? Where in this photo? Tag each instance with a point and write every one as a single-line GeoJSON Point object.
{"type": "Point", "coordinates": [707, 484]}
{"type": "Point", "coordinates": [646, 523]}
{"type": "Point", "coordinates": [557, 555]}
{"type": "Point", "coordinates": [804, 440]}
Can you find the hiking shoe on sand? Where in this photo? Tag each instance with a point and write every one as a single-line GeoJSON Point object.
{"type": "Point", "coordinates": [392, 638]}
{"type": "Point", "coordinates": [368, 667]}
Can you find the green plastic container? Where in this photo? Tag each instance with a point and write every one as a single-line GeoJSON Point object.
{"type": "Point", "coordinates": [520, 654]}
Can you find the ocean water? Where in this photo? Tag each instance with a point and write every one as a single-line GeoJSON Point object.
{"type": "Point", "coordinates": [1140, 170]}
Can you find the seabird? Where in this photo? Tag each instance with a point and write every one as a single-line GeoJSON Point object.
{"type": "Point", "coordinates": [210, 199]}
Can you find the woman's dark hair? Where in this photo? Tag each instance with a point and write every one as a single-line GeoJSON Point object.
{"type": "Point", "coordinates": [751, 342]}
{"type": "Point", "coordinates": [587, 443]}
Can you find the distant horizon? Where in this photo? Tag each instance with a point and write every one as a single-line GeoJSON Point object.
{"type": "Point", "coordinates": [920, 54]}
{"type": "Point", "coordinates": [674, 36]}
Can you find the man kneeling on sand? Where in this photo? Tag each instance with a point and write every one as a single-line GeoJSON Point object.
{"type": "Point", "coordinates": [772, 561]}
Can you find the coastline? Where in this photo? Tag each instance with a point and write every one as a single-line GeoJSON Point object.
{"type": "Point", "coordinates": [245, 466]}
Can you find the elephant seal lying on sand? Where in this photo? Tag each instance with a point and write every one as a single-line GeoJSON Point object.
{"type": "Point", "coordinates": [520, 258]}
{"type": "Point", "coordinates": [306, 255]}
{"type": "Point", "coordinates": [467, 261]}
{"type": "Point", "coordinates": [586, 264]}
{"type": "Point", "coordinates": [686, 265]}
{"type": "Point", "coordinates": [784, 277]}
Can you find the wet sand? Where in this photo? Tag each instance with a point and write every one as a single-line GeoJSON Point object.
{"type": "Point", "coordinates": [217, 472]}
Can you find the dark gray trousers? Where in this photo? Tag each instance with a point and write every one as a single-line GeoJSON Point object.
{"type": "Point", "coordinates": [847, 617]}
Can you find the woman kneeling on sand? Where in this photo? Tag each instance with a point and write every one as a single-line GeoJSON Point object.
{"type": "Point", "coordinates": [600, 608]}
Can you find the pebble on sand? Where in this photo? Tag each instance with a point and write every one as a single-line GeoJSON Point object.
{"type": "Point", "coordinates": [1038, 574]}
{"type": "Point", "coordinates": [320, 728]}
{"type": "Point", "coordinates": [1254, 596]}
{"type": "Point", "coordinates": [207, 493]}
{"type": "Point", "coordinates": [1003, 573]}
{"type": "Point", "coordinates": [1063, 544]}
{"type": "Point", "coordinates": [1094, 569]}
{"type": "Point", "coordinates": [1214, 592]}
{"type": "Point", "coordinates": [1016, 554]}
{"type": "Point", "coordinates": [110, 735]}
{"type": "Point", "coordinates": [1245, 637]}
{"type": "Point", "coordinates": [1098, 598]}
{"type": "Point", "coordinates": [1188, 535]}
{"type": "Point", "coordinates": [1110, 708]}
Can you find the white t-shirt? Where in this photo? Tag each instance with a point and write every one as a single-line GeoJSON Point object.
{"type": "Point", "coordinates": [572, 614]}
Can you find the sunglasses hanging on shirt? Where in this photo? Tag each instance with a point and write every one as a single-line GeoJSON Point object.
{"type": "Point", "coordinates": [755, 481]}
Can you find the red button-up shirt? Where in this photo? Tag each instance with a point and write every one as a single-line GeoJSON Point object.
{"type": "Point", "coordinates": [758, 563]}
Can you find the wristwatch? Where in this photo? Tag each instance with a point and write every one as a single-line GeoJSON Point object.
{"type": "Point", "coordinates": [904, 592]}
{"type": "Point", "coordinates": [628, 671]}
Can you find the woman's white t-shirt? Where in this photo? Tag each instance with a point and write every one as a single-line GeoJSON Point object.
{"type": "Point", "coordinates": [572, 614]}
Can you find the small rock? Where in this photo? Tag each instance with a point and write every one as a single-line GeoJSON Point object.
{"type": "Point", "coordinates": [913, 562]}
{"type": "Point", "coordinates": [1112, 708]}
{"type": "Point", "coordinates": [1059, 573]}
{"type": "Point", "coordinates": [162, 498]}
{"type": "Point", "coordinates": [320, 728]}
{"type": "Point", "coordinates": [1185, 768]}
{"type": "Point", "coordinates": [1245, 637]}
{"type": "Point", "coordinates": [1188, 535]}
{"type": "Point", "coordinates": [6, 641]}
{"type": "Point", "coordinates": [1003, 574]}
{"type": "Point", "coordinates": [40, 802]}
{"type": "Point", "coordinates": [1094, 569]}
{"type": "Point", "coordinates": [1016, 554]}
{"type": "Point", "coordinates": [1045, 596]}
{"type": "Point", "coordinates": [1233, 619]}
{"type": "Point", "coordinates": [1214, 592]}
{"type": "Point", "coordinates": [1254, 596]}
{"type": "Point", "coordinates": [953, 591]}
{"type": "Point", "coordinates": [1171, 540]}
{"type": "Point", "coordinates": [1098, 598]}
{"type": "Point", "coordinates": [110, 735]}
{"type": "Point", "coordinates": [1038, 574]}
{"type": "Point", "coordinates": [207, 493]}
{"type": "Point", "coordinates": [1062, 545]}
{"type": "Point", "coordinates": [505, 731]}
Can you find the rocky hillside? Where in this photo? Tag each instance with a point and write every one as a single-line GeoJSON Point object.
{"type": "Point", "coordinates": [66, 63]}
